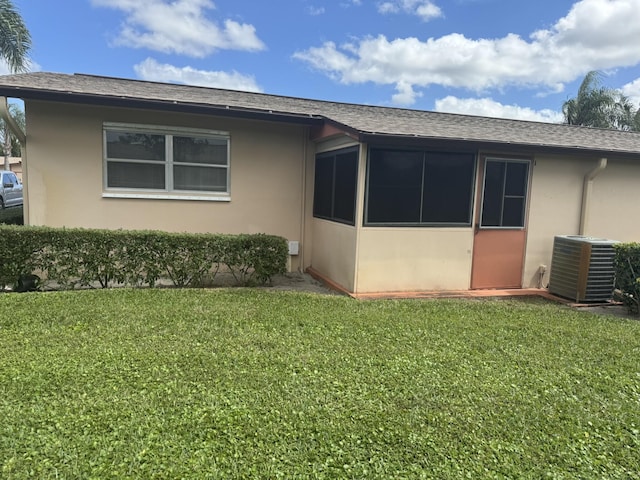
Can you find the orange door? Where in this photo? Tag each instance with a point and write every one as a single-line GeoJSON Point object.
{"type": "Point", "coordinates": [500, 232]}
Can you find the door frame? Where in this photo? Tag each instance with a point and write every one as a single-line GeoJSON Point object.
{"type": "Point", "coordinates": [517, 236]}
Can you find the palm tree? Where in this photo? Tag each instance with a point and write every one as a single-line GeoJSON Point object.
{"type": "Point", "coordinates": [15, 40]}
{"type": "Point", "coordinates": [9, 144]}
{"type": "Point", "coordinates": [598, 106]}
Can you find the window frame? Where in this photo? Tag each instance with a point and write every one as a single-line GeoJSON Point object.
{"type": "Point", "coordinates": [13, 178]}
{"type": "Point", "coordinates": [168, 192]}
{"type": "Point", "coordinates": [425, 153]}
{"type": "Point", "coordinates": [333, 154]}
{"type": "Point", "coordinates": [525, 197]}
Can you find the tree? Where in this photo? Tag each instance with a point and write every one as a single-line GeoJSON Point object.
{"type": "Point", "coordinates": [15, 43]}
{"type": "Point", "coordinates": [15, 40]}
{"type": "Point", "coordinates": [9, 144]}
{"type": "Point", "coordinates": [636, 121]}
{"type": "Point", "coordinates": [599, 106]}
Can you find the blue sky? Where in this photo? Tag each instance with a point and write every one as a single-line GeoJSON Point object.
{"type": "Point", "coordinates": [507, 58]}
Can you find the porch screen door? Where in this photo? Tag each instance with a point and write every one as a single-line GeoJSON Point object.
{"type": "Point", "coordinates": [500, 233]}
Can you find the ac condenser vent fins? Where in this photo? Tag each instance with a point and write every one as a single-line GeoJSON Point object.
{"type": "Point", "coordinates": [582, 268]}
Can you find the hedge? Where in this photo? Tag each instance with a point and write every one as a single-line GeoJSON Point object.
{"type": "Point", "coordinates": [76, 258]}
{"type": "Point", "coordinates": [627, 265]}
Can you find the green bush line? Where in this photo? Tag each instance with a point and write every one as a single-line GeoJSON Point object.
{"type": "Point", "coordinates": [627, 265]}
{"type": "Point", "coordinates": [76, 258]}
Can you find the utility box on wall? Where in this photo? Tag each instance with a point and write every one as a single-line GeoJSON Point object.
{"type": "Point", "coordinates": [294, 247]}
{"type": "Point", "coordinates": [582, 268]}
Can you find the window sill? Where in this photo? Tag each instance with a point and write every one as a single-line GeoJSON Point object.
{"type": "Point", "coordinates": [168, 196]}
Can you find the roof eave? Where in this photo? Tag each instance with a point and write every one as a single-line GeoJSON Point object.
{"type": "Point", "coordinates": [158, 104]}
{"type": "Point", "coordinates": [490, 145]}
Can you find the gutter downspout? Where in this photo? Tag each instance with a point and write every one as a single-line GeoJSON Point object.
{"type": "Point", "coordinates": [586, 194]}
{"type": "Point", "coordinates": [303, 193]}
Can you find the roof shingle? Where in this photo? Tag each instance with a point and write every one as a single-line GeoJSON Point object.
{"type": "Point", "coordinates": [367, 120]}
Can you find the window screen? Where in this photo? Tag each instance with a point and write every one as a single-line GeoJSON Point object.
{"type": "Point", "coordinates": [336, 176]}
{"type": "Point", "coordinates": [505, 193]}
{"type": "Point", "coordinates": [419, 188]}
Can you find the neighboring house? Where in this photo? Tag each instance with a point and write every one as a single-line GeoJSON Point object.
{"type": "Point", "coordinates": [377, 199]}
{"type": "Point", "coordinates": [15, 165]}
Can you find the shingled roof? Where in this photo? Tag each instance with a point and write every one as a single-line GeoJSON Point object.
{"type": "Point", "coordinates": [363, 120]}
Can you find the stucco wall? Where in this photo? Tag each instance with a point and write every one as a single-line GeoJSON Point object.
{"type": "Point", "coordinates": [615, 200]}
{"type": "Point", "coordinates": [406, 259]}
{"type": "Point", "coordinates": [333, 245]}
{"type": "Point", "coordinates": [554, 209]}
{"type": "Point", "coordinates": [66, 175]}
{"type": "Point", "coordinates": [334, 251]}
{"type": "Point", "coordinates": [556, 205]}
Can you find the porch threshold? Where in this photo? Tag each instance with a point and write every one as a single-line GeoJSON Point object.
{"type": "Point", "coordinates": [511, 292]}
{"type": "Point", "coordinates": [483, 293]}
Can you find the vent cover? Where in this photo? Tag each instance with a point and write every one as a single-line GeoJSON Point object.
{"type": "Point", "coordinates": [582, 268]}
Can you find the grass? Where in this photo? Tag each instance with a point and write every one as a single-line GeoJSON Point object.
{"type": "Point", "coordinates": [250, 383]}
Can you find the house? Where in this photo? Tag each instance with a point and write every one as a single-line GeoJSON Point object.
{"type": "Point", "coordinates": [373, 199]}
{"type": "Point", "coordinates": [14, 164]}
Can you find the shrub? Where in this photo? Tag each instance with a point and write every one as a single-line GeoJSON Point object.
{"type": "Point", "coordinates": [19, 251]}
{"type": "Point", "coordinates": [70, 258]}
{"type": "Point", "coordinates": [627, 265]}
{"type": "Point", "coordinates": [254, 258]}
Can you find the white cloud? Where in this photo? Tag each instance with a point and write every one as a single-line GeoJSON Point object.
{"type": "Point", "coordinates": [632, 90]}
{"type": "Point", "coordinates": [406, 94]}
{"type": "Point", "coordinates": [31, 67]}
{"type": "Point", "coordinates": [594, 35]}
{"type": "Point", "coordinates": [314, 11]}
{"type": "Point", "coordinates": [388, 7]}
{"type": "Point", "coordinates": [425, 9]}
{"type": "Point", "coordinates": [487, 107]}
{"type": "Point", "coordinates": [152, 70]}
{"type": "Point", "coordinates": [180, 26]}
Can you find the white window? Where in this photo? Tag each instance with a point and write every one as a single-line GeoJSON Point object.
{"type": "Point", "coordinates": [165, 160]}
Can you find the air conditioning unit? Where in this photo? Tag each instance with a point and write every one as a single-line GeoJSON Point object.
{"type": "Point", "coordinates": [582, 268]}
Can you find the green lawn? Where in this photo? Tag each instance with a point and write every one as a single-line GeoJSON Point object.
{"type": "Point", "coordinates": [248, 383]}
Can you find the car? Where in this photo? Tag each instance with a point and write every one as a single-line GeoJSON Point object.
{"type": "Point", "coordinates": [10, 190]}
